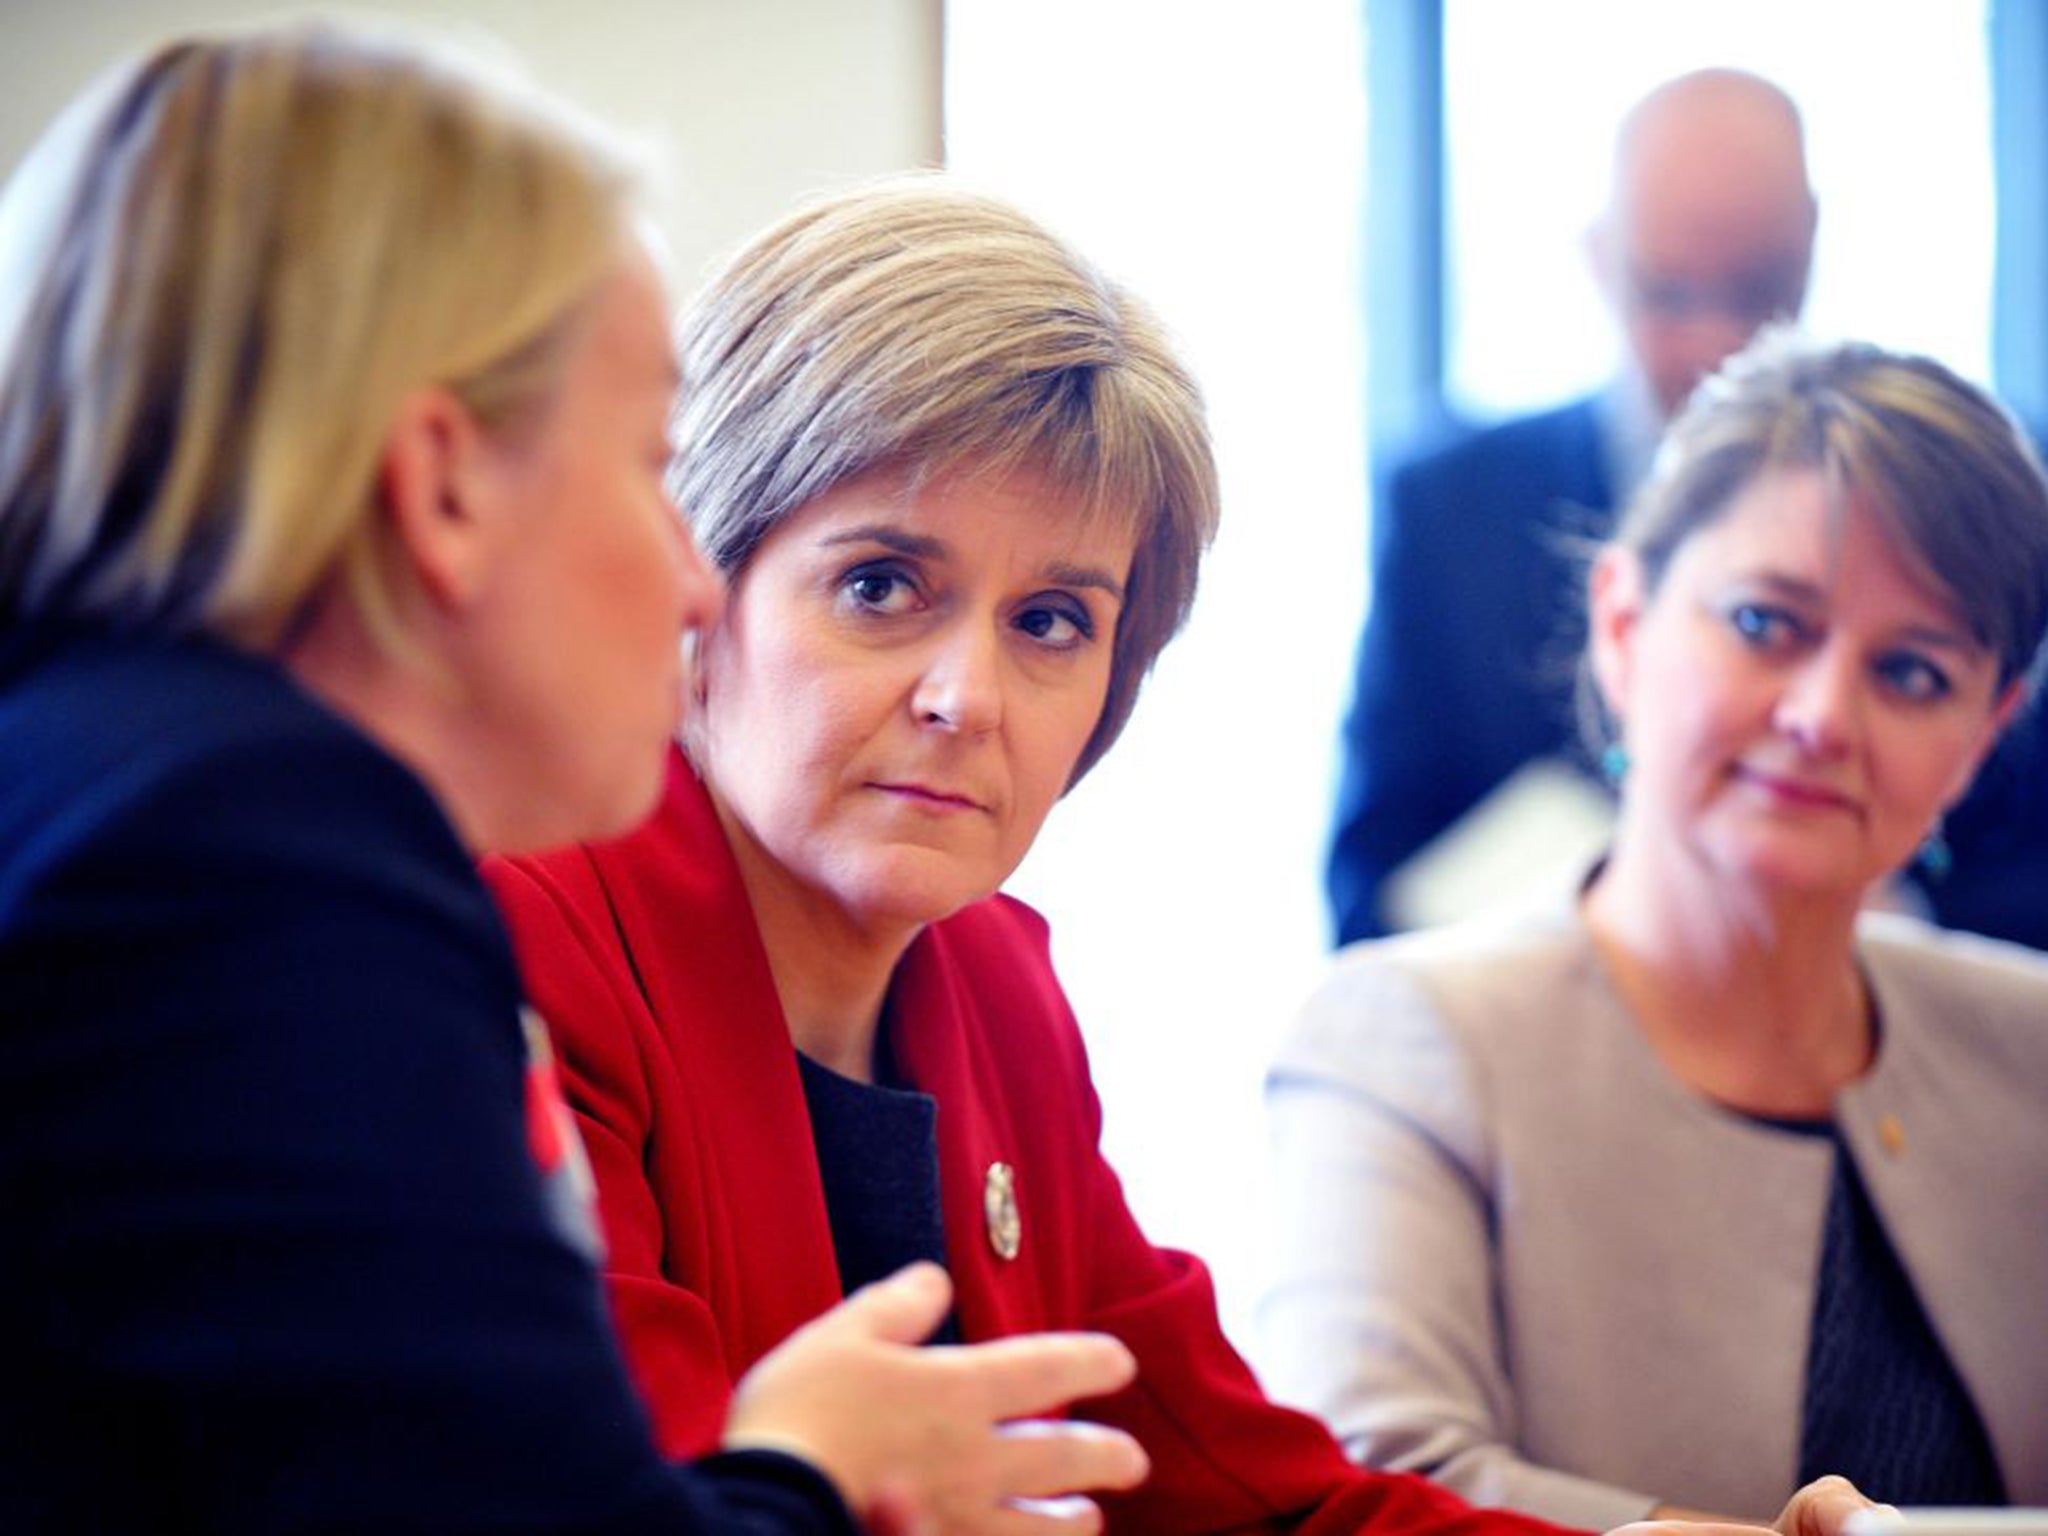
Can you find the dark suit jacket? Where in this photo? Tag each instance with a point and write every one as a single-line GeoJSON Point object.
{"type": "Point", "coordinates": [1466, 664]}
{"type": "Point", "coordinates": [276, 1257]}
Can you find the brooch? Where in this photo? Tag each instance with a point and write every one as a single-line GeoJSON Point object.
{"type": "Point", "coordinates": [999, 1207]}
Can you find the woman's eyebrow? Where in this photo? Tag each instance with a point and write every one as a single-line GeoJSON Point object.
{"type": "Point", "coordinates": [920, 545]}
{"type": "Point", "coordinates": [1064, 575]}
{"type": "Point", "coordinates": [1800, 589]}
{"type": "Point", "coordinates": [924, 546]}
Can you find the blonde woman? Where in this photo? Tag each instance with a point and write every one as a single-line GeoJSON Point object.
{"type": "Point", "coordinates": [334, 392]}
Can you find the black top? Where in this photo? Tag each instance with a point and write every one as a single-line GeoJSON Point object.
{"type": "Point", "coordinates": [878, 1158]}
{"type": "Point", "coordinates": [1883, 1406]}
{"type": "Point", "coordinates": [277, 1257]}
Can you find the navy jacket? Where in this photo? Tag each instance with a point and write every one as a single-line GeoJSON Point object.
{"type": "Point", "coordinates": [276, 1255]}
{"type": "Point", "coordinates": [1465, 666]}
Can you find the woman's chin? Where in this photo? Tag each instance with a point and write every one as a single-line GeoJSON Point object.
{"type": "Point", "coordinates": [909, 892]}
{"type": "Point", "coordinates": [1796, 873]}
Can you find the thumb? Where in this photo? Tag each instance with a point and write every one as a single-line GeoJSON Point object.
{"type": "Point", "coordinates": [904, 1308]}
{"type": "Point", "coordinates": [1822, 1508]}
{"type": "Point", "coordinates": [894, 1512]}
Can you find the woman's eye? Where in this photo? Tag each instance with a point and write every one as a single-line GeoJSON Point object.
{"type": "Point", "coordinates": [1060, 626]}
{"type": "Point", "coordinates": [879, 589]}
{"type": "Point", "coordinates": [1913, 676]}
{"type": "Point", "coordinates": [1764, 627]}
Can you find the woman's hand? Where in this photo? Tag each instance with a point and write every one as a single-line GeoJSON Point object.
{"type": "Point", "coordinates": [1819, 1509]}
{"type": "Point", "coordinates": [1822, 1507]}
{"type": "Point", "coordinates": [944, 1439]}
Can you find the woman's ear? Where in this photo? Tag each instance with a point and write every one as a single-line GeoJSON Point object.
{"type": "Point", "coordinates": [2008, 704]}
{"type": "Point", "coordinates": [1615, 598]}
{"type": "Point", "coordinates": [704, 651]}
{"type": "Point", "coordinates": [1596, 245]}
{"type": "Point", "coordinates": [431, 481]}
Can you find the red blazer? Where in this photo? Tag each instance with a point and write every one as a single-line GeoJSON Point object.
{"type": "Point", "coordinates": [643, 956]}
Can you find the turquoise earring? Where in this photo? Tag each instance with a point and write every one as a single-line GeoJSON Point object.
{"type": "Point", "coordinates": [1934, 858]}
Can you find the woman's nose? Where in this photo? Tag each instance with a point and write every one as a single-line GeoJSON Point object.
{"type": "Point", "coordinates": [700, 588]}
{"type": "Point", "coordinates": [1820, 704]}
{"type": "Point", "coordinates": [961, 688]}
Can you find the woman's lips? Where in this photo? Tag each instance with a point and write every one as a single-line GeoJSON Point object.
{"type": "Point", "coordinates": [930, 797]}
{"type": "Point", "coordinates": [1796, 791]}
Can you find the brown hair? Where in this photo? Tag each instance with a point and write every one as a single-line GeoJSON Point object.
{"type": "Point", "coordinates": [1941, 465]}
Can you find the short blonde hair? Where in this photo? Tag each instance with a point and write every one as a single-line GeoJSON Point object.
{"type": "Point", "coordinates": [912, 323]}
{"type": "Point", "coordinates": [230, 262]}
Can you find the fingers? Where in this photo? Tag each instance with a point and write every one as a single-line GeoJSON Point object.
{"type": "Point", "coordinates": [1023, 1377]}
{"type": "Point", "coordinates": [965, 1443]}
{"type": "Point", "coordinates": [1042, 1460]}
{"type": "Point", "coordinates": [1035, 1375]}
{"type": "Point", "coordinates": [895, 1511]}
{"type": "Point", "coordinates": [904, 1308]}
{"type": "Point", "coordinates": [1046, 1517]}
{"type": "Point", "coordinates": [1821, 1508]}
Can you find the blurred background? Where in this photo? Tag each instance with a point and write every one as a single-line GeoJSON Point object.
{"type": "Point", "coordinates": [1354, 215]}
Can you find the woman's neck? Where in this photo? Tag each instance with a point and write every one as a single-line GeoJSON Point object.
{"type": "Point", "coordinates": [831, 975]}
{"type": "Point", "coordinates": [409, 705]}
{"type": "Point", "coordinates": [1752, 1001]}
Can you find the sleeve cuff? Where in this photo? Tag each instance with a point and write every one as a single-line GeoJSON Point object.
{"type": "Point", "coordinates": [777, 1492]}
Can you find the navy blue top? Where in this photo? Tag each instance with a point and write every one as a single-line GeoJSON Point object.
{"type": "Point", "coordinates": [276, 1255]}
{"type": "Point", "coordinates": [1884, 1407]}
{"type": "Point", "coordinates": [878, 1159]}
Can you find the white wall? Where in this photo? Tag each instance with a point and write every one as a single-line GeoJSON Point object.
{"type": "Point", "coordinates": [1210, 156]}
{"type": "Point", "coordinates": [1907, 214]}
{"type": "Point", "coordinates": [750, 103]}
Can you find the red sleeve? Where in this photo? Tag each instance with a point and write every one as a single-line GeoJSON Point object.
{"type": "Point", "coordinates": [580, 982]}
{"type": "Point", "coordinates": [1224, 1456]}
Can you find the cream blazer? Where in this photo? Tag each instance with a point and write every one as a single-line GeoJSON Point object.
{"type": "Point", "coordinates": [1517, 1254]}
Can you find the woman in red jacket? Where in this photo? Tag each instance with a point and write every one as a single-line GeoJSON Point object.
{"type": "Point", "coordinates": [960, 488]}
{"type": "Point", "coordinates": [334, 550]}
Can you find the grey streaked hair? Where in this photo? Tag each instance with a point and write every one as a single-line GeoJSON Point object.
{"type": "Point", "coordinates": [916, 324]}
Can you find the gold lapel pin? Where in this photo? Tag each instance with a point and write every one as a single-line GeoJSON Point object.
{"type": "Point", "coordinates": [1891, 1135]}
{"type": "Point", "coordinates": [999, 1206]}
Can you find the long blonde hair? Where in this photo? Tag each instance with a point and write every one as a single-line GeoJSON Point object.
{"type": "Point", "coordinates": [224, 268]}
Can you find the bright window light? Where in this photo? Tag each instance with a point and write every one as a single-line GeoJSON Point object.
{"type": "Point", "coordinates": [1209, 157]}
{"type": "Point", "coordinates": [1898, 144]}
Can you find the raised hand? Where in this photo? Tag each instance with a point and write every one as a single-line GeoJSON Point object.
{"type": "Point", "coordinates": [951, 1439]}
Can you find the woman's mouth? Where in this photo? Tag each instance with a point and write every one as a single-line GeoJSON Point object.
{"type": "Point", "coordinates": [1792, 790]}
{"type": "Point", "coordinates": [930, 797]}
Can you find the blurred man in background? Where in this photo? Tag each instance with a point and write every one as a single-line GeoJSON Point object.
{"type": "Point", "coordinates": [1463, 772]}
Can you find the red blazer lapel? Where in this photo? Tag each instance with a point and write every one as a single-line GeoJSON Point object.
{"type": "Point", "coordinates": [941, 1020]}
{"type": "Point", "coordinates": [690, 936]}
